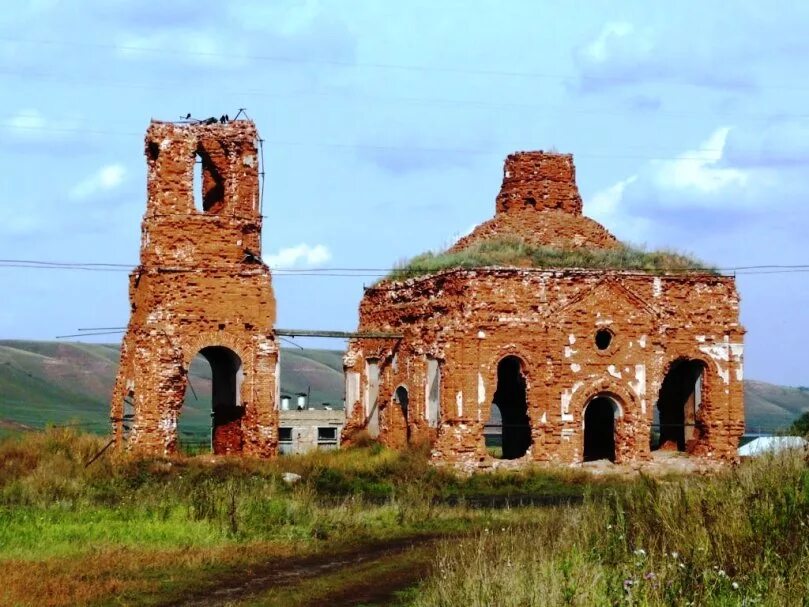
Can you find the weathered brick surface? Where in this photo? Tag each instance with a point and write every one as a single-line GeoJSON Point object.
{"type": "Point", "coordinates": [539, 202]}
{"type": "Point", "coordinates": [200, 287]}
{"type": "Point", "coordinates": [470, 320]}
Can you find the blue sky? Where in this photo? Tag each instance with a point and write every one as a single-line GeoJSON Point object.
{"type": "Point", "coordinates": [386, 125]}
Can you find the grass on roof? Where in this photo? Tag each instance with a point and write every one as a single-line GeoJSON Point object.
{"type": "Point", "coordinates": [511, 252]}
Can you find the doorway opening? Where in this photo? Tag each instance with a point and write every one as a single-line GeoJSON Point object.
{"type": "Point", "coordinates": [210, 420]}
{"type": "Point", "coordinates": [599, 429]}
{"type": "Point", "coordinates": [510, 400]}
{"type": "Point", "coordinates": [678, 405]}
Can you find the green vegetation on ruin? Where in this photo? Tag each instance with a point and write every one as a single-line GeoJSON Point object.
{"type": "Point", "coordinates": [514, 252]}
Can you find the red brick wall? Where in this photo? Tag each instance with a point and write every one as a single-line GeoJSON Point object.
{"type": "Point", "coordinates": [199, 285]}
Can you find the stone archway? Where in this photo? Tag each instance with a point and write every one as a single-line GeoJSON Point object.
{"type": "Point", "coordinates": [226, 409]}
{"type": "Point", "coordinates": [599, 417]}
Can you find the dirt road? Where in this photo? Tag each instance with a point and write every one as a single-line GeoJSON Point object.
{"type": "Point", "coordinates": [366, 575]}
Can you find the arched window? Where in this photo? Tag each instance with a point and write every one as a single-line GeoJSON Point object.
{"type": "Point", "coordinates": [402, 398]}
{"type": "Point", "coordinates": [209, 185]}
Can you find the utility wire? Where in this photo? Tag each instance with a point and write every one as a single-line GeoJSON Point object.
{"type": "Point", "coordinates": [404, 273]}
{"type": "Point", "coordinates": [407, 100]}
{"type": "Point", "coordinates": [340, 63]}
{"type": "Point", "coordinates": [335, 269]}
{"type": "Point", "coordinates": [699, 155]}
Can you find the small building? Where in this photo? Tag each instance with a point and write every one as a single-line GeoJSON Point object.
{"type": "Point", "coordinates": [584, 357]}
{"type": "Point", "coordinates": [307, 429]}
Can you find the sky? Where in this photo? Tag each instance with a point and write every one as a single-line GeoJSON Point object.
{"type": "Point", "coordinates": [385, 126]}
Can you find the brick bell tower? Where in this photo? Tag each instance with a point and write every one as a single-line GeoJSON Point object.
{"type": "Point", "coordinates": [200, 288]}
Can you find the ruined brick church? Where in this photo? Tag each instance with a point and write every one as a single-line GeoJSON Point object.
{"type": "Point", "coordinates": [580, 364]}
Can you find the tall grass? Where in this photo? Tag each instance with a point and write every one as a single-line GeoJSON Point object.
{"type": "Point", "coordinates": [52, 504]}
{"type": "Point", "coordinates": [511, 252]}
{"type": "Point", "coordinates": [741, 538]}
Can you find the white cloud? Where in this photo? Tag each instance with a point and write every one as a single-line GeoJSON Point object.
{"type": "Point", "coordinates": [621, 55]}
{"type": "Point", "coordinates": [706, 194]}
{"type": "Point", "coordinates": [105, 179]}
{"type": "Point", "coordinates": [27, 119]}
{"type": "Point", "coordinates": [600, 48]}
{"type": "Point", "coordinates": [29, 128]}
{"type": "Point", "coordinates": [698, 170]}
{"type": "Point", "coordinates": [189, 47]}
{"type": "Point", "coordinates": [299, 255]}
{"type": "Point", "coordinates": [605, 202]}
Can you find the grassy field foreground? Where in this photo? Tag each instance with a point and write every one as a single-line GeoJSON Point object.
{"type": "Point", "coordinates": [738, 538]}
{"type": "Point", "coordinates": [144, 531]}
{"type": "Point", "coordinates": [134, 531]}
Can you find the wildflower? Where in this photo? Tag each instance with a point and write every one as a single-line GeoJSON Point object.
{"type": "Point", "coordinates": [674, 555]}
{"type": "Point", "coordinates": [609, 527]}
{"type": "Point", "coordinates": [734, 585]}
{"type": "Point", "coordinates": [650, 576]}
{"type": "Point", "coordinates": [722, 573]}
{"type": "Point", "coordinates": [640, 552]}
{"type": "Point", "coordinates": [682, 565]}
{"type": "Point", "coordinates": [628, 583]}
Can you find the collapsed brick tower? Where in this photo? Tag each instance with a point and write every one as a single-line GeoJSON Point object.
{"type": "Point", "coordinates": [581, 363]}
{"type": "Point", "coordinates": [200, 288]}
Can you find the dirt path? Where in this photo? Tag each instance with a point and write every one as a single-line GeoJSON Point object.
{"type": "Point", "coordinates": [282, 578]}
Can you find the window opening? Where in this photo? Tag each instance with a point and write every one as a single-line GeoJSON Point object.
{"type": "Point", "coordinates": [403, 400]}
{"type": "Point", "coordinates": [372, 395]}
{"type": "Point", "coordinates": [433, 391]}
{"type": "Point", "coordinates": [603, 339]}
{"type": "Point", "coordinates": [209, 185]}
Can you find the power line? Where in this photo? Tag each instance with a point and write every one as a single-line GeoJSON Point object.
{"type": "Point", "coordinates": [700, 155]}
{"type": "Point", "coordinates": [409, 67]}
{"type": "Point", "coordinates": [414, 100]}
{"type": "Point", "coordinates": [365, 272]}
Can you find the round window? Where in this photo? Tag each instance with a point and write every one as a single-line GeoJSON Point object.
{"type": "Point", "coordinates": [603, 339]}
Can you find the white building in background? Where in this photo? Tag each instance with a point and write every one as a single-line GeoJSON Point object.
{"type": "Point", "coordinates": [772, 444]}
{"type": "Point", "coordinates": [303, 430]}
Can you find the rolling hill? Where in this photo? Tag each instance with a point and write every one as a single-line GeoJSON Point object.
{"type": "Point", "coordinates": [49, 382]}
{"type": "Point", "coordinates": [46, 382]}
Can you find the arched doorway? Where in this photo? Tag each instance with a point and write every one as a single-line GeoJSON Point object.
{"type": "Point", "coordinates": [401, 398]}
{"type": "Point", "coordinates": [510, 400]}
{"type": "Point", "coordinates": [212, 412]}
{"type": "Point", "coordinates": [599, 429]}
{"type": "Point", "coordinates": [678, 404]}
